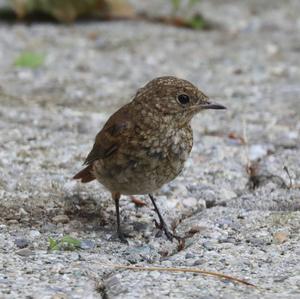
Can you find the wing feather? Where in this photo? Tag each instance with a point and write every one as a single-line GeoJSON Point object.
{"type": "Point", "coordinates": [109, 139]}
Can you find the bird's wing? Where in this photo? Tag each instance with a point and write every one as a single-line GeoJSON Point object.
{"type": "Point", "coordinates": [109, 139]}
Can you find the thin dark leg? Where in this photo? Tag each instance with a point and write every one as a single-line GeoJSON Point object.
{"type": "Point", "coordinates": [116, 196]}
{"type": "Point", "coordinates": [163, 224]}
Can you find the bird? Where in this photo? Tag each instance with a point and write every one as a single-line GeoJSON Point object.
{"type": "Point", "coordinates": [145, 143]}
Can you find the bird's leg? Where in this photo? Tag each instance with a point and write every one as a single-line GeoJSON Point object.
{"type": "Point", "coordinates": [162, 224]}
{"type": "Point", "coordinates": [116, 197]}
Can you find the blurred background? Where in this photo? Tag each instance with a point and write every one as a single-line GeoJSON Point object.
{"type": "Point", "coordinates": [96, 52]}
{"type": "Point", "coordinates": [66, 65]}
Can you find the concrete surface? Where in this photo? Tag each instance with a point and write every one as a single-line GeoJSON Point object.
{"type": "Point", "coordinates": [247, 222]}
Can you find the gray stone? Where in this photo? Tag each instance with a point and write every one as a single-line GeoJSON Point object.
{"type": "Point", "coordinates": [61, 219]}
{"type": "Point", "coordinates": [21, 242]}
{"type": "Point", "coordinates": [24, 252]}
{"type": "Point", "coordinates": [87, 244]}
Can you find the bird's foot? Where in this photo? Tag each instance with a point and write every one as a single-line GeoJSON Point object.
{"type": "Point", "coordinates": [163, 227]}
{"type": "Point", "coordinates": [122, 237]}
{"type": "Point", "coordinates": [119, 236]}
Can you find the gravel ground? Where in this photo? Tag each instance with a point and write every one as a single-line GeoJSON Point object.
{"type": "Point", "coordinates": [245, 223]}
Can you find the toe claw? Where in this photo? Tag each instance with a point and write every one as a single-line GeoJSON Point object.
{"type": "Point", "coordinates": [122, 238]}
{"type": "Point", "coordinates": [168, 234]}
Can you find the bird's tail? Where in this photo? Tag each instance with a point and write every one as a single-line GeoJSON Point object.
{"type": "Point", "coordinates": [85, 175]}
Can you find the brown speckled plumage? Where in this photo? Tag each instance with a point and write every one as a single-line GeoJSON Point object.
{"type": "Point", "coordinates": [145, 143]}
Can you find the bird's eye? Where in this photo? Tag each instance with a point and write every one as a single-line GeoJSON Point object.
{"type": "Point", "coordinates": [183, 99]}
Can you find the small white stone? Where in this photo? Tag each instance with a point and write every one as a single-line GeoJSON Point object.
{"type": "Point", "coordinates": [190, 202]}
{"type": "Point", "coordinates": [155, 274]}
{"type": "Point", "coordinates": [34, 234]}
{"type": "Point", "coordinates": [257, 151]}
{"type": "Point", "coordinates": [280, 237]}
{"type": "Point", "coordinates": [171, 203]}
{"type": "Point", "coordinates": [272, 49]}
{"type": "Point", "coordinates": [227, 194]}
{"type": "Point", "coordinates": [61, 219]}
{"type": "Point", "coordinates": [292, 134]}
{"type": "Point", "coordinates": [25, 75]}
{"type": "Point", "coordinates": [278, 70]}
{"type": "Point", "coordinates": [22, 212]}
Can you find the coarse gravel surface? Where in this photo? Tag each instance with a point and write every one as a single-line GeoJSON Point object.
{"type": "Point", "coordinates": [234, 201]}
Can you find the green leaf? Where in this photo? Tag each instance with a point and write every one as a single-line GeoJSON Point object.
{"type": "Point", "coordinates": [197, 22]}
{"type": "Point", "coordinates": [30, 60]}
{"type": "Point", "coordinates": [53, 244]}
{"type": "Point", "coordinates": [71, 241]}
{"type": "Point", "coordinates": [65, 243]}
{"type": "Point", "coordinates": [193, 2]}
{"type": "Point", "coordinates": [176, 4]}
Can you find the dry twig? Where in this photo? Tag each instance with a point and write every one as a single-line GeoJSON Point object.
{"type": "Point", "coordinates": [184, 270]}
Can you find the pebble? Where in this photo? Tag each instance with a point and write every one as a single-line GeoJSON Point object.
{"type": "Point", "coordinates": [227, 194]}
{"type": "Point", "coordinates": [25, 75]}
{"type": "Point", "coordinates": [209, 245]}
{"type": "Point", "coordinates": [34, 234]}
{"type": "Point", "coordinates": [189, 202]}
{"type": "Point", "coordinates": [24, 252]}
{"type": "Point", "coordinates": [281, 278]}
{"type": "Point", "coordinates": [61, 219]}
{"type": "Point", "coordinates": [272, 50]}
{"type": "Point", "coordinates": [225, 223]}
{"type": "Point", "coordinates": [199, 262]}
{"type": "Point", "coordinates": [189, 255]}
{"type": "Point", "coordinates": [22, 212]}
{"type": "Point", "coordinates": [278, 71]}
{"type": "Point", "coordinates": [59, 296]}
{"type": "Point", "coordinates": [48, 227]}
{"type": "Point", "coordinates": [21, 242]}
{"type": "Point", "coordinates": [257, 151]}
{"type": "Point", "coordinates": [12, 222]}
{"type": "Point", "coordinates": [155, 274]}
{"type": "Point", "coordinates": [87, 244]}
{"type": "Point", "coordinates": [280, 237]}
{"type": "Point", "coordinates": [209, 195]}
{"type": "Point", "coordinates": [257, 241]}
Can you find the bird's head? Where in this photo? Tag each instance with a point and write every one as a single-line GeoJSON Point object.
{"type": "Point", "coordinates": [173, 96]}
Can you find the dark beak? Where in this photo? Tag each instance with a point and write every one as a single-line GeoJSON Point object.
{"type": "Point", "coordinates": [209, 105]}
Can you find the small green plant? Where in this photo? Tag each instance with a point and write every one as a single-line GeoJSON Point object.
{"type": "Point", "coordinates": [30, 60]}
{"type": "Point", "coordinates": [177, 3]}
{"type": "Point", "coordinates": [53, 244]}
{"type": "Point", "coordinates": [186, 17]}
{"type": "Point", "coordinates": [197, 22]}
{"type": "Point", "coordinates": [66, 243]}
